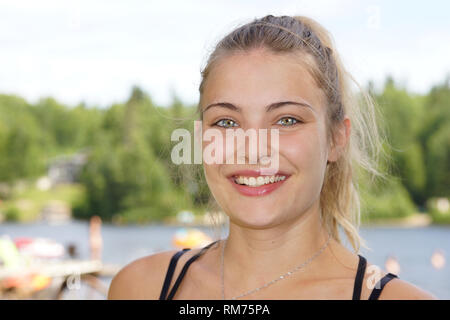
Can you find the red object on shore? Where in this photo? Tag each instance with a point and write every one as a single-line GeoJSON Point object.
{"type": "Point", "coordinates": [22, 241]}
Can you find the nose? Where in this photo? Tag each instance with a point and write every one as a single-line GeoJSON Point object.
{"type": "Point", "coordinates": [256, 146]}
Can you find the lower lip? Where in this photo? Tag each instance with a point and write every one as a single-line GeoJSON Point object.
{"type": "Point", "coordinates": [256, 191]}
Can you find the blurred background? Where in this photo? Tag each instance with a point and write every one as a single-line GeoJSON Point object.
{"type": "Point", "coordinates": [88, 96]}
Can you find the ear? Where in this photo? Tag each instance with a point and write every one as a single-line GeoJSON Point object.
{"type": "Point", "coordinates": [341, 138]}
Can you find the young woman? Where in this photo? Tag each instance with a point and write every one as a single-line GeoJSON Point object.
{"type": "Point", "coordinates": [283, 242]}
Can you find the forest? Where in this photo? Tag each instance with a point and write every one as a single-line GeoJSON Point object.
{"type": "Point", "coordinates": [129, 176]}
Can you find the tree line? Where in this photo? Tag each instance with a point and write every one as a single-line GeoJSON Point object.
{"type": "Point", "coordinates": [129, 176]}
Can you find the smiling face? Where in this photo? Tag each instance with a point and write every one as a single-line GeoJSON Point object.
{"type": "Point", "coordinates": [247, 84]}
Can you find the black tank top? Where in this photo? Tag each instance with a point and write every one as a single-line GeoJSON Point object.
{"type": "Point", "coordinates": [356, 288]}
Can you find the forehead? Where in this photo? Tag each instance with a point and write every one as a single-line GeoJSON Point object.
{"type": "Point", "coordinates": [260, 77]}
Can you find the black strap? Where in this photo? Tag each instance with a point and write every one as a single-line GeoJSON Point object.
{"type": "Point", "coordinates": [170, 271]}
{"type": "Point", "coordinates": [185, 268]}
{"type": "Point", "coordinates": [359, 278]}
{"type": "Point", "coordinates": [380, 285]}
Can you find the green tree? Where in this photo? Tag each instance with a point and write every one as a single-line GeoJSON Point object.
{"type": "Point", "coordinates": [403, 114]}
{"type": "Point", "coordinates": [22, 142]}
{"type": "Point", "coordinates": [125, 178]}
{"type": "Point", "coordinates": [435, 138]}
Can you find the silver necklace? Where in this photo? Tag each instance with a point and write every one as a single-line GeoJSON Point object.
{"type": "Point", "coordinates": [284, 276]}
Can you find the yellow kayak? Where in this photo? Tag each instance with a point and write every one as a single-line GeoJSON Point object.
{"type": "Point", "coordinates": [190, 238]}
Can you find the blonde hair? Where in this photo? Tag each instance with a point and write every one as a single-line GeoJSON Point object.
{"type": "Point", "coordinates": [339, 197]}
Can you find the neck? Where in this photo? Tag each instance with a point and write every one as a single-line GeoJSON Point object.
{"type": "Point", "coordinates": [253, 257]}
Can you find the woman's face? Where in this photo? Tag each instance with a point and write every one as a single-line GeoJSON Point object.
{"type": "Point", "coordinates": [251, 82]}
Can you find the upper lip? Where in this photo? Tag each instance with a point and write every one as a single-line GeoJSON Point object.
{"type": "Point", "coordinates": [254, 173]}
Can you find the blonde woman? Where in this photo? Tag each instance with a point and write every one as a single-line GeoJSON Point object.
{"type": "Point", "coordinates": [283, 241]}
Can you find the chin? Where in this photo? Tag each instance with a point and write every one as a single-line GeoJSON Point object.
{"type": "Point", "coordinates": [254, 218]}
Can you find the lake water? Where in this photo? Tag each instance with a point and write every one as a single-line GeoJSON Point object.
{"type": "Point", "coordinates": [412, 247]}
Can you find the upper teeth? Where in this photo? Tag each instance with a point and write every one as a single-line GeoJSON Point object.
{"type": "Point", "coordinates": [258, 181]}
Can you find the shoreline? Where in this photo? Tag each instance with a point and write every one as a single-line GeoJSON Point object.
{"type": "Point", "coordinates": [415, 220]}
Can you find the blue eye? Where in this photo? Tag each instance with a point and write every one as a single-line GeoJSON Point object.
{"type": "Point", "coordinates": [290, 123]}
{"type": "Point", "coordinates": [226, 121]}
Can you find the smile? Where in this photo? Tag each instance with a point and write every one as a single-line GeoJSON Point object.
{"type": "Point", "coordinates": [257, 186]}
{"type": "Point", "coordinates": [258, 181]}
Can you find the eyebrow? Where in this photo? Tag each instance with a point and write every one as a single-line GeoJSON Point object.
{"type": "Point", "coordinates": [270, 107]}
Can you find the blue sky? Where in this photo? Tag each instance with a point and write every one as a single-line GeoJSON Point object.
{"type": "Point", "coordinates": [94, 51]}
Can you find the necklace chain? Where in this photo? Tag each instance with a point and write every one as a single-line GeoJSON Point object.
{"type": "Point", "coordinates": [284, 276]}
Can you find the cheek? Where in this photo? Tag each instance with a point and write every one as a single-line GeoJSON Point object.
{"type": "Point", "coordinates": [213, 143]}
{"type": "Point", "coordinates": [211, 171]}
{"type": "Point", "coordinates": [214, 179]}
{"type": "Point", "coordinates": [305, 149]}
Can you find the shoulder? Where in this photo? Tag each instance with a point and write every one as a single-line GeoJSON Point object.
{"type": "Point", "coordinates": [395, 289]}
{"type": "Point", "coordinates": [141, 279]}
{"type": "Point", "coordinates": [398, 289]}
